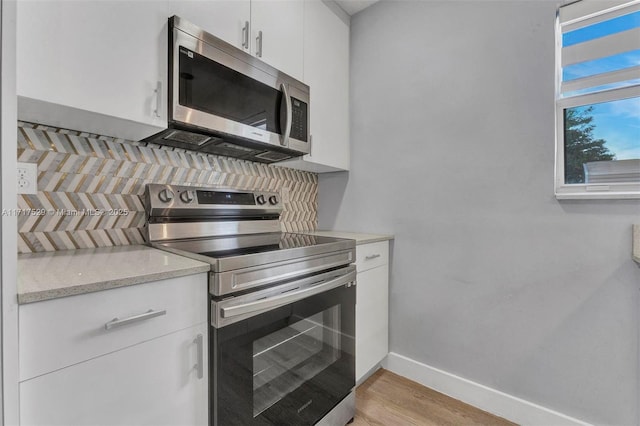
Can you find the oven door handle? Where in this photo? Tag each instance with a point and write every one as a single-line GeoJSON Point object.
{"type": "Point", "coordinates": [286, 298]}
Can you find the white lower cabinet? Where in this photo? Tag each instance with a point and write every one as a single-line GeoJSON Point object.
{"type": "Point", "coordinates": [142, 361]}
{"type": "Point", "coordinates": [372, 307]}
{"type": "Point", "coordinates": [159, 382]}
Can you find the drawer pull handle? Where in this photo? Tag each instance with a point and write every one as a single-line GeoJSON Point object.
{"type": "Point", "coordinates": [373, 256]}
{"type": "Point", "coordinates": [120, 322]}
{"type": "Point", "coordinates": [200, 354]}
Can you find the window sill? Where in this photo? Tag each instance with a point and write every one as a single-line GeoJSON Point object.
{"type": "Point", "coordinates": [598, 196]}
{"type": "Point", "coordinates": [598, 191]}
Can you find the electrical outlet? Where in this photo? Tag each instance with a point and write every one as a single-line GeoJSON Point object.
{"type": "Point", "coordinates": [27, 178]}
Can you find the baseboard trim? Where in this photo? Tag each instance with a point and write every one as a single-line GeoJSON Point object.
{"type": "Point", "coordinates": [491, 400]}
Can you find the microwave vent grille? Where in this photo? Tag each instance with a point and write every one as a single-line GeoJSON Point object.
{"type": "Point", "coordinates": [187, 137]}
{"type": "Point", "coordinates": [234, 147]}
{"type": "Point", "coordinates": [273, 156]}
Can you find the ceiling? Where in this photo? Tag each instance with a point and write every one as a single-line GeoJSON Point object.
{"type": "Point", "coordinates": [354, 6]}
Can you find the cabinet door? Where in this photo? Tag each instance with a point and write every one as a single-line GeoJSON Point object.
{"type": "Point", "coordinates": [372, 318]}
{"type": "Point", "coordinates": [326, 71]}
{"type": "Point", "coordinates": [225, 19]}
{"type": "Point", "coordinates": [152, 383]}
{"type": "Point", "coordinates": [98, 56]}
{"type": "Point", "coordinates": [281, 24]}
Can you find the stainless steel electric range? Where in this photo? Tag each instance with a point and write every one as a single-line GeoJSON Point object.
{"type": "Point", "coordinates": [282, 306]}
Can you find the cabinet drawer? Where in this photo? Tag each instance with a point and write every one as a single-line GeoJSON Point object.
{"type": "Point", "coordinates": [62, 332]}
{"type": "Point", "coordinates": [372, 255]}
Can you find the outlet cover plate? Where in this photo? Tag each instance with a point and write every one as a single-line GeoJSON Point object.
{"type": "Point", "coordinates": [27, 178]}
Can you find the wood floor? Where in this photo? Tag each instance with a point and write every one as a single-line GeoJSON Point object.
{"type": "Point", "coordinates": [391, 400]}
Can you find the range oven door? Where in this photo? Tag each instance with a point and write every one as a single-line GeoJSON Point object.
{"type": "Point", "coordinates": [288, 364]}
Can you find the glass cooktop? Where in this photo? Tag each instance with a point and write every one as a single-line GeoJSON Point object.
{"type": "Point", "coordinates": [238, 245]}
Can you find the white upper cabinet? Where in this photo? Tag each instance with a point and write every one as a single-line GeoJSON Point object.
{"type": "Point", "coordinates": [326, 71]}
{"type": "Point", "coordinates": [277, 34]}
{"type": "Point", "coordinates": [101, 66]}
{"type": "Point", "coordinates": [88, 57]}
{"type": "Point", "coordinates": [267, 29]}
{"type": "Point", "coordinates": [226, 19]}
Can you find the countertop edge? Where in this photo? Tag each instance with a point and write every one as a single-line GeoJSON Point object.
{"type": "Point", "coordinates": [39, 296]}
{"type": "Point", "coordinates": [375, 240]}
{"type": "Point", "coordinates": [360, 237]}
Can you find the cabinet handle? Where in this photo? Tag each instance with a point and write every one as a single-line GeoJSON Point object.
{"type": "Point", "coordinates": [245, 35]}
{"type": "Point", "coordinates": [373, 256]}
{"type": "Point", "coordinates": [200, 362]}
{"type": "Point", "coordinates": [259, 45]}
{"type": "Point", "coordinates": [158, 93]}
{"type": "Point", "coordinates": [141, 317]}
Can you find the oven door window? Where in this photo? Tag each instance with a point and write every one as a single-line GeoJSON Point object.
{"type": "Point", "coordinates": [290, 365]}
{"type": "Point", "coordinates": [286, 359]}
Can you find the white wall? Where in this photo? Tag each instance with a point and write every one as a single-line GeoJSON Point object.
{"type": "Point", "coordinates": [453, 152]}
{"type": "Point", "coordinates": [8, 222]}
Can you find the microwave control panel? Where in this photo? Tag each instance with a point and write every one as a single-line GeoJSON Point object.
{"type": "Point", "coordinates": [299, 129]}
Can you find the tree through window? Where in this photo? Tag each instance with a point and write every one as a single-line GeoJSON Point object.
{"type": "Point", "coordinates": [598, 100]}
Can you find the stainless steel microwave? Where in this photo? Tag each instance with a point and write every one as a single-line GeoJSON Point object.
{"type": "Point", "coordinates": [224, 101]}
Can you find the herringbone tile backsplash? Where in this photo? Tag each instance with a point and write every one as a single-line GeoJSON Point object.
{"type": "Point", "coordinates": [90, 187]}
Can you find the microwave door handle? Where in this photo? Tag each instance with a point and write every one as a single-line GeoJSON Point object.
{"type": "Point", "coordinates": [287, 100]}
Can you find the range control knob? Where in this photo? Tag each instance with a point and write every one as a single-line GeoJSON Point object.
{"type": "Point", "coordinates": [165, 196]}
{"type": "Point", "coordinates": [187, 196]}
{"type": "Point", "coordinates": [273, 200]}
{"type": "Point", "coordinates": [260, 199]}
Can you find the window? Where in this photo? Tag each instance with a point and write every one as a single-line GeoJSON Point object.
{"type": "Point", "coordinates": [598, 99]}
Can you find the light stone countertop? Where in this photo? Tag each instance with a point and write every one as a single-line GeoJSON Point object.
{"type": "Point", "coordinates": [49, 275]}
{"type": "Point", "coordinates": [359, 237]}
{"type": "Point", "coordinates": [636, 243]}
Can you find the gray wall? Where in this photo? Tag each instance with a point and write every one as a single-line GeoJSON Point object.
{"type": "Point", "coordinates": [453, 152]}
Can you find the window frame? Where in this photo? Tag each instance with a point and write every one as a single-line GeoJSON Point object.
{"type": "Point", "coordinates": [621, 190]}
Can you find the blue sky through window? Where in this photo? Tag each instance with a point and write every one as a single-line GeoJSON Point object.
{"type": "Point", "coordinates": [601, 65]}
{"type": "Point", "coordinates": [617, 122]}
{"type": "Point", "coordinates": [612, 26]}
